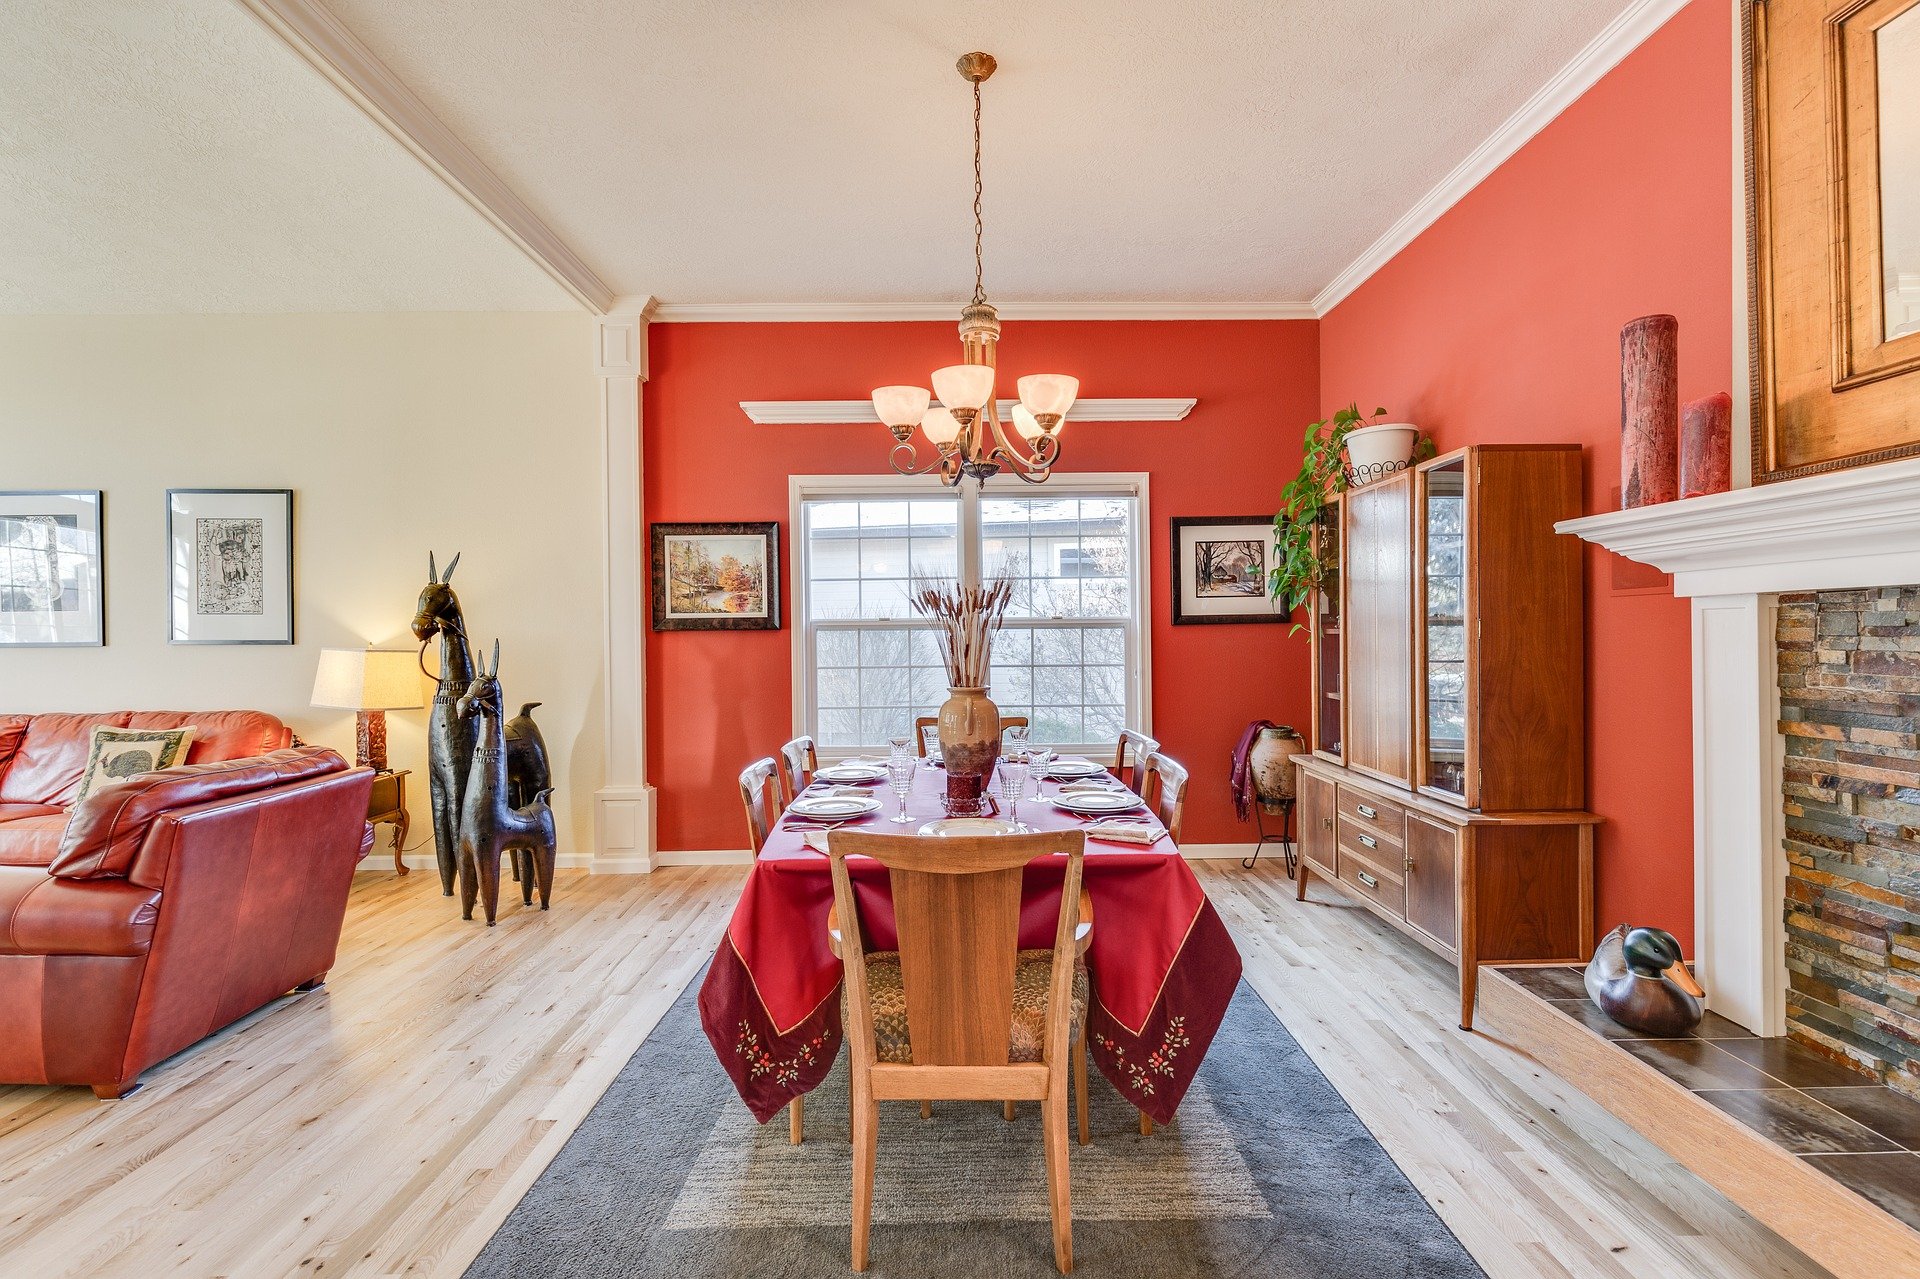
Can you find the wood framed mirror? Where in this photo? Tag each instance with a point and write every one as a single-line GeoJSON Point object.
{"type": "Point", "coordinates": [1833, 112]}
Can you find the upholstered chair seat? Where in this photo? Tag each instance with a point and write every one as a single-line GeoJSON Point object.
{"type": "Point", "coordinates": [1032, 973]}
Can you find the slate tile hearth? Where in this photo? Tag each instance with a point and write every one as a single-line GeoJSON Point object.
{"type": "Point", "coordinates": [1863, 1135]}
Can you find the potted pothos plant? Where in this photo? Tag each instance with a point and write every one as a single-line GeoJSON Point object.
{"type": "Point", "coordinates": [1303, 562]}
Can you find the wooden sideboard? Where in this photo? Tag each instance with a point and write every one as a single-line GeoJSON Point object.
{"type": "Point", "coordinates": [1447, 779]}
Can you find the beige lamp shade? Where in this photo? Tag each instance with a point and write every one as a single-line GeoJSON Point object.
{"type": "Point", "coordinates": [368, 679]}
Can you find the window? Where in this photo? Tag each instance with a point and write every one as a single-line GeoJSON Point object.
{"type": "Point", "coordinates": [1072, 654]}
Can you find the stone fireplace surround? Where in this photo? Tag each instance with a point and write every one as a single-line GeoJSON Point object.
{"type": "Point", "coordinates": [1734, 554]}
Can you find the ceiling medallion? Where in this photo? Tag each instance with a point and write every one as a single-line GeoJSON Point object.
{"type": "Point", "coordinates": [965, 426]}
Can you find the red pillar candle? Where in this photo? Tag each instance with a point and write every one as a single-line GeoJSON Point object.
{"type": "Point", "coordinates": [1706, 446]}
{"type": "Point", "coordinates": [1649, 411]}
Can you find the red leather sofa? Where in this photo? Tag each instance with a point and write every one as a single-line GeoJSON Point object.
{"type": "Point", "coordinates": [168, 905]}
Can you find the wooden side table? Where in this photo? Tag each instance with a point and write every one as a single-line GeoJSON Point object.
{"type": "Point", "coordinates": [388, 803]}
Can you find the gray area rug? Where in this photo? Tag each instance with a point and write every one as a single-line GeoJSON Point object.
{"type": "Point", "coordinates": [1264, 1172]}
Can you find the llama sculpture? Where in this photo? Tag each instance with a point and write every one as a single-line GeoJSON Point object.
{"type": "Point", "coordinates": [490, 824]}
{"type": "Point", "coordinates": [450, 735]}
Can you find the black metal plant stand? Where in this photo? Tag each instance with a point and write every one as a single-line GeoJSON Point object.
{"type": "Point", "coordinates": [1284, 838]}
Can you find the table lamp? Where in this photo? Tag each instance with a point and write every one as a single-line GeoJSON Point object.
{"type": "Point", "coordinates": [370, 682]}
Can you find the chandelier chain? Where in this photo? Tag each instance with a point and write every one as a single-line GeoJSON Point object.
{"type": "Point", "coordinates": [979, 227]}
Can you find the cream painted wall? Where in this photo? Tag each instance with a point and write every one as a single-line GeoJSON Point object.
{"type": "Point", "coordinates": [398, 433]}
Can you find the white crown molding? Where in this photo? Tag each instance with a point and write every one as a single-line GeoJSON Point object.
{"type": "Point", "coordinates": [336, 53]}
{"type": "Point", "coordinates": [839, 412]}
{"type": "Point", "coordinates": [1602, 54]}
{"type": "Point", "coordinates": [883, 312]}
{"type": "Point", "coordinates": [1845, 529]}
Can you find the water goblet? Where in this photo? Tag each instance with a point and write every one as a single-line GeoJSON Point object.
{"type": "Point", "coordinates": [1042, 760]}
{"type": "Point", "coordinates": [900, 778]}
{"type": "Point", "coordinates": [899, 747]}
{"type": "Point", "coordinates": [1013, 787]}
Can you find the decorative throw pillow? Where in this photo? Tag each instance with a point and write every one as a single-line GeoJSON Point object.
{"type": "Point", "coordinates": [120, 753]}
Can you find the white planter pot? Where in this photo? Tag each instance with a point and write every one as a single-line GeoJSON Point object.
{"type": "Point", "coordinates": [1374, 451]}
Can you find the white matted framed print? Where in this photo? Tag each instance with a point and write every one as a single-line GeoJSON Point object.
{"type": "Point", "coordinates": [52, 569]}
{"type": "Point", "coordinates": [230, 566]}
{"type": "Point", "coordinates": [1220, 570]}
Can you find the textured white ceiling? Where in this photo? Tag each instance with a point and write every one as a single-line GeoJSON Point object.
{"type": "Point", "coordinates": [174, 155]}
{"type": "Point", "coordinates": [818, 150]}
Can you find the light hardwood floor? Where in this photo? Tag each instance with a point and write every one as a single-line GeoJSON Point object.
{"type": "Point", "coordinates": [387, 1125]}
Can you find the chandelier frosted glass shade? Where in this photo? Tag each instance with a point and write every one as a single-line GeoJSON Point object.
{"type": "Point", "coordinates": [940, 426]}
{"type": "Point", "coordinates": [901, 405]}
{"type": "Point", "coordinates": [1044, 393]}
{"type": "Point", "coordinates": [1025, 423]}
{"type": "Point", "coordinates": [964, 388]}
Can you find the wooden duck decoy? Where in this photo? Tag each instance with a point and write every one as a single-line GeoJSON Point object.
{"type": "Point", "coordinates": [1637, 978]}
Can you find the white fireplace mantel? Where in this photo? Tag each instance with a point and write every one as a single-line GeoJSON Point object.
{"type": "Point", "coordinates": [1733, 554]}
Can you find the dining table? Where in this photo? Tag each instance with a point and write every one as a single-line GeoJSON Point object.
{"type": "Point", "coordinates": [1161, 964]}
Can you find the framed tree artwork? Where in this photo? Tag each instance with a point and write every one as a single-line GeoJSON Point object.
{"type": "Point", "coordinates": [1220, 569]}
{"type": "Point", "coordinates": [52, 569]}
{"type": "Point", "coordinates": [716, 577]}
{"type": "Point", "coordinates": [230, 566]}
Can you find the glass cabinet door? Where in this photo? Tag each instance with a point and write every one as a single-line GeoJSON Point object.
{"type": "Point", "coordinates": [1443, 527]}
{"type": "Point", "coordinates": [1326, 643]}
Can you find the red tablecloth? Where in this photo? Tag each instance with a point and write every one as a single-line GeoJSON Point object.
{"type": "Point", "coordinates": [1162, 964]}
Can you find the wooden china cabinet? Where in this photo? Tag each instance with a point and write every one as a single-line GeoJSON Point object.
{"type": "Point", "coordinates": [1446, 785]}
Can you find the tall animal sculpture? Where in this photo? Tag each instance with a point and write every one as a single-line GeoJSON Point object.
{"type": "Point", "coordinates": [490, 824]}
{"type": "Point", "coordinates": [450, 736]}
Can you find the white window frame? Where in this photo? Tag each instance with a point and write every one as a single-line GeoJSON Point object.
{"type": "Point", "coordinates": [1139, 627]}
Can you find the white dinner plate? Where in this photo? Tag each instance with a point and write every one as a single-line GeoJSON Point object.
{"type": "Point", "coordinates": [835, 805]}
{"type": "Point", "coordinates": [852, 773]}
{"type": "Point", "coordinates": [1074, 768]}
{"type": "Point", "coordinates": [1118, 801]}
{"type": "Point", "coordinates": [951, 826]}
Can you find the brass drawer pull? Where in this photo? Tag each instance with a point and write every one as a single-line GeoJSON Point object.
{"type": "Point", "coordinates": [1366, 879]}
{"type": "Point", "coordinates": [1366, 812]}
{"type": "Point", "coordinates": [1369, 841]}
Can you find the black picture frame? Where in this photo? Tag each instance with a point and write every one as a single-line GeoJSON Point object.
{"type": "Point", "coordinates": [276, 624]}
{"type": "Point", "coordinates": [86, 503]}
{"type": "Point", "coordinates": [1238, 603]}
{"type": "Point", "coordinates": [667, 616]}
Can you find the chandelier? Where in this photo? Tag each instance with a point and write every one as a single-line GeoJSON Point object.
{"type": "Point", "coordinates": [965, 428]}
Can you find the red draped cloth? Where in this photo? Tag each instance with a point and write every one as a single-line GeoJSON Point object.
{"type": "Point", "coordinates": [1162, 965]}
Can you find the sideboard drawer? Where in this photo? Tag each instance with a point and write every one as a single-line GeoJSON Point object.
{"type": "Point", "coordinates": [1383, 819]}
{"type": "Point", "coordinates": [1372, 868]}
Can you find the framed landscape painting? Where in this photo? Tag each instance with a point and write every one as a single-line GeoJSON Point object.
{"type": "Point", "coordinates": [52, 578]}
{"type": "Point", "coordinates": [716, 577]}
{"type": "Point", "coordinates": [1220, 569]}
{"type": "Point", "coordinates": [230, 566]}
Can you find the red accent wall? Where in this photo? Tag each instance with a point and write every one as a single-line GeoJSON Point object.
{"type": "Point", "coordinates": [1501, 323]}
{"type": "Point", "coordinates": [716, 700]}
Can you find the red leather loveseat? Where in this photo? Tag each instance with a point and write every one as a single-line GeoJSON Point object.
{"type": "Point", "coordinates": [168, 905]}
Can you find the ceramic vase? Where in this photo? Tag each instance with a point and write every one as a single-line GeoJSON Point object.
{"type": "Point", "coordinates": [1649, 411]}
{"type": "Point", "coordinates": [1271, 761]}
{"type": "Point", "coordinates": [969, 731]}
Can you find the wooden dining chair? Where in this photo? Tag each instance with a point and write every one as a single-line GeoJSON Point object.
{"type": "Point", "coordinates": [1134, 749]}
{"type": "Point", "coordinates": [1163, 786]}
{"type": "Point", "coordinates": [798, 763]}
{"type": "Point", "coordinates": [760, 794]}
{"type": "Point", "coordinates": [928, 724]}
{"type": "Point", "coordinates": [959, 1012]}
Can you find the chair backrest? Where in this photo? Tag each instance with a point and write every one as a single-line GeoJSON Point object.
{"type": "Point", "coordinates": [956, 911]}
{"type": "Point", "coordinates": [927, 728]}
{"type": "Point", "coordinates": [1134, 748]}
{"type": "Point", "coordinates": [1164, 787]}
{"type": "Point", "coordinates": [798, 763]}
{"type": "Point", "coordinates": [760, 794]}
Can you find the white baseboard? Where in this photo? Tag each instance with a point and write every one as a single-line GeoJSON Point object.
{"type": "Point", "coordinates": [379, 861]}
{"type": "Point", "coordinates": [703, 857]}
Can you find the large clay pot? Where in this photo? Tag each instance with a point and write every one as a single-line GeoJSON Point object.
{"type": "Point", "coordinates": [1271, 761]}
{"type": "Point", "coordinates": [970, 746]}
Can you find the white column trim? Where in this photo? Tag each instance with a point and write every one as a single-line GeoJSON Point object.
{"type": "Point", "coordinates": [623, 808]}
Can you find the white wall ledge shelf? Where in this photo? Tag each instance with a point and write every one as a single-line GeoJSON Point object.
{"type": "Point", "coordinates": [840, 412]}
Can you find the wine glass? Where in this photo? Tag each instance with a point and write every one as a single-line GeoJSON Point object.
{"type": "Point", "coordinates": [899, 748]}
{"type": "Point", "coordinates": [1042, 760]}
{"type": "Point", "coordinates": [900, 771]}
{"type": "Point", "coordinates": [1013, 787]}
{"type": "Point", "coordinates": [1013, 742]}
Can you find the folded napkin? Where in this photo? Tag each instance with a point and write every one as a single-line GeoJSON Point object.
{"type": "Point", "coordinates": [843, 792]}
{"type": "Point", "coordinates": [1086, 787]}
{"type": "Point", "coordinates": [1125, 832]}
{"type": "Point", "coordinates": [816, 840]}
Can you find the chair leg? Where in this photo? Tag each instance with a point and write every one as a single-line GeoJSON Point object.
{"type": "Point", "coordinates": [1059, 1205]}
{"type": "Point", "coordinates": [1080, 1084]}
{"type": "Point", "coordinates": [796, 1120]}
{"type": "Point", "coordinates": [866, 1120]}
{"type": "Point", "coordinates": [926, 1110]}
{"type": "Point", "coordinates": [1146, 1125]}
{"type": "Point", "coordinates": [1006, 1111]}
